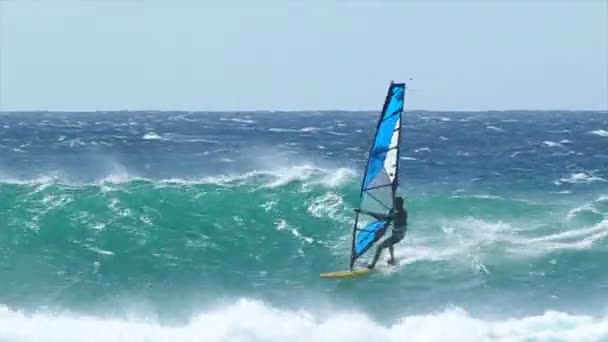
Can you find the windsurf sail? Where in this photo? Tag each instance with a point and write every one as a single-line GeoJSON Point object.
{"type": "Point", "coordinates": [381, 176]}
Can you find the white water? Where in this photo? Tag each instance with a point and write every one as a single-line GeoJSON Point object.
{"type": "Point", "coordinates": [251, 320]}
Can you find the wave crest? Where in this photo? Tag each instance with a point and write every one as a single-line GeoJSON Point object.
{"type": "Point", "coordinates": [306, 173]}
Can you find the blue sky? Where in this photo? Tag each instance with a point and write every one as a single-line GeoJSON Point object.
{"type": "Point", "coordinates": [302, 55]}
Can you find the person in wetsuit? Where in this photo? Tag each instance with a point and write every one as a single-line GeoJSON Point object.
{"type": "Point", "coordinates": [399, 220]}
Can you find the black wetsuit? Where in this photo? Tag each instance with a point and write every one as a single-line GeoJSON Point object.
{"type": "Point", "coordinates": [399, 221]}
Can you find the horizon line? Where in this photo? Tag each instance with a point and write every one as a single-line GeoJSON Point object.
{"type": "Point", "coordinates": [293, 110]}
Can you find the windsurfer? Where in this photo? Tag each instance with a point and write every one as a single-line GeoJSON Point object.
{"type": "Point", "coordinates": [398, 218]}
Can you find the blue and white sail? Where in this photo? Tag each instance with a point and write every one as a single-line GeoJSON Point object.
{"type": "Point", "coordinates": [381, 177]}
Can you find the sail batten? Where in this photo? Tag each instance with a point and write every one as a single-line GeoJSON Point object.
{"type": "Point", "coordinates": [381, 177]}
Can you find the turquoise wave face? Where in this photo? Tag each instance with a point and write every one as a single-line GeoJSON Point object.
{"type": "Point", "coordinates": [174, 243]}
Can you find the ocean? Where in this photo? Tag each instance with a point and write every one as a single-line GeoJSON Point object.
{"type": "Point", "coordinates": [197, 226]}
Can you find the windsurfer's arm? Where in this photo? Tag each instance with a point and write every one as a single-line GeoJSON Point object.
{"type": "Point", "coordinates": [377, 216]}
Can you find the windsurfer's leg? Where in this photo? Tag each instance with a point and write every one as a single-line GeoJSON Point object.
{"type": "Point", "coordinates": [394, 239]}
{"type": "Point", "coordinates": [376, 257]}
{"type": "Point", "coordinates": [386, 243]}
{"type": "Point", "coordinates": [391, 249]}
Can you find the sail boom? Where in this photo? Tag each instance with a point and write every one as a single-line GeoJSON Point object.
{"type": "Point", "coordinates": [378, 187]}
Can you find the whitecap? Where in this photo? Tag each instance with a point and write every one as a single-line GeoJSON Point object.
{"type": "Point", "coordinates": [494, 128]}
{"type": "Point", "coordinates": [580, 178]}
{"type": "Point", "coordinates": [310, 129]}
{"type": "Point", "coordinates": [552, 144]}
{"type": "Point", "coordinates": [282, 130]}
{"type": "Point", "coordinates": [600, 132]}
{"type": "Point", "coordinates": [245, 121]}
{"type": "Point", "coordinates": [152, 136]}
